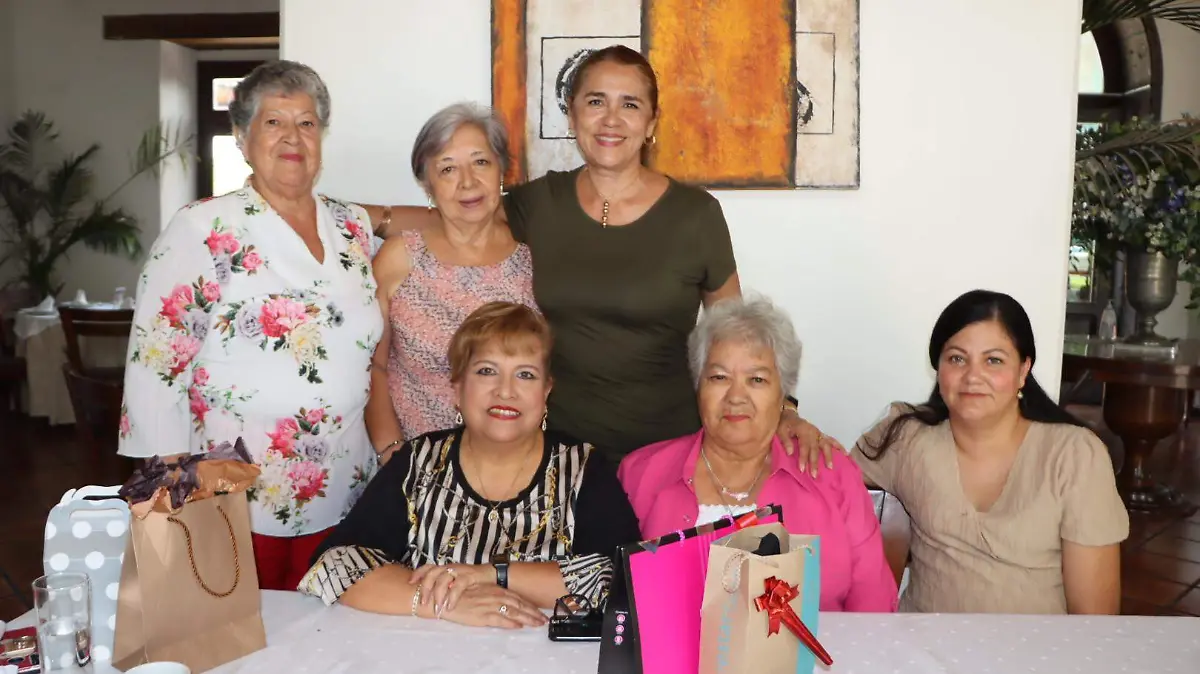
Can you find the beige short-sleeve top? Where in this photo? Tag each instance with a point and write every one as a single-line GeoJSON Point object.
{"type": "Point", "coordinates": [1009, 558]}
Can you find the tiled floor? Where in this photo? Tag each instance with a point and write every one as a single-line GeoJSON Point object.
{"type": "Point", "coordinates": [37, 465]}
{"type": "Point", "coordinates": [1160, 562]}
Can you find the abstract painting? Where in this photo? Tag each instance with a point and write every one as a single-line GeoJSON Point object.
{"type": "Point", "coordinates": [753, 93]}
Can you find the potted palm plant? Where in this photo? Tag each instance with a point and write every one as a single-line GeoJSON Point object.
{"type": "Point", "coordinates": [49, 207]}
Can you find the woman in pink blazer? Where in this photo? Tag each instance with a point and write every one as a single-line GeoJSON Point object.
{"type": "Point", "coordinates": [744, 355]}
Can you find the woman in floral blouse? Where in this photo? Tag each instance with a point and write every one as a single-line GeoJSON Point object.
{"type": "Point", "coordinates": [256, 318]}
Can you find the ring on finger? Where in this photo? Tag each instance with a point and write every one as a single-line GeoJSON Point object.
{"type": "Point", "coordinates": [504, 610]}
{"type": "Point", "coordinates": [452, 572]}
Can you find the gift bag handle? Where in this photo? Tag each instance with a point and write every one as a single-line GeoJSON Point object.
{"type": "Point", "coordinates": [237, 564]}
{"type": "Point", "coordinates": [731, 578]}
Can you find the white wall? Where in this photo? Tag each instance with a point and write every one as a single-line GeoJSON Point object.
{"type": "Point", "coordinates": [1181, 95]}
{"type": "Point", "coordinates": [7, 66]}
{"type": "Point", "coordinates": [177, 110]}
{"type": "Point", "coordinates": [99, 91]}
{"type": "Point", "coordinates": [957, 191]}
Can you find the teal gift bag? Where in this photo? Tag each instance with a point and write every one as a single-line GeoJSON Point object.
{"type": "Point", "coordinates": [754, 604]}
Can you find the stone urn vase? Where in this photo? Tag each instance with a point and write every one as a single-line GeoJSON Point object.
{"type": "Point", "coordinates": [1150, 282]}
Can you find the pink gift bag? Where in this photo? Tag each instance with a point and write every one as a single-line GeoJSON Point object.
{"type": "Point", "coordinates": [652, 616]}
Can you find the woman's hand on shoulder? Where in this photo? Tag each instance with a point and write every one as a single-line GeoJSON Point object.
{"type": "Point", "coordinates": [808, 442]}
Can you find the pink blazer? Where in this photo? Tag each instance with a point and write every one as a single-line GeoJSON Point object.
{"type": "Point", "coordinates": [854, 573]}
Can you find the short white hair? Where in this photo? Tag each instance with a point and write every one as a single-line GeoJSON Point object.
{"type": "Point", "coordinates": [748, 320]}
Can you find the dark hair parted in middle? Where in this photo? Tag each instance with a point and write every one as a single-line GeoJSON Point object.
{"type": "Point", "coordinates": [970, 308]}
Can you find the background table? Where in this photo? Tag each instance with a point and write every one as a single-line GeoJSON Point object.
{"type": "Point", "coordinates": [1145, 398]}
{"type": "Point", "coordinates": [303, 636]}
{"type": "Point", "coordinates": [40, 341]}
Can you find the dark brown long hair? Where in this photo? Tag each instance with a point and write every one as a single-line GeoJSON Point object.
{"type": "Point", "coordinates": [970, 308]}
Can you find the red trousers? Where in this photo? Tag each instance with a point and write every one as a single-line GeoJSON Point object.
{"type": "Point", "coordinates": [282, 562]}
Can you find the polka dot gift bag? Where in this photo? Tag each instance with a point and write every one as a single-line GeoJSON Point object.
{"type": "Point", "coordinates": [86, 533]}
{"type": "Point", "coordinates": [189, 587]}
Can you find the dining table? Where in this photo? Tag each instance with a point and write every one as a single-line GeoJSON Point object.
{"type": "Point", "coordinates": [42, 343]}
{"type": "Point", "coordinates": [305, 636]}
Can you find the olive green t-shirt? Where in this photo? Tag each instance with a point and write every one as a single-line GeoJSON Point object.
{"type": "Point", "coordinates": [621, 302]}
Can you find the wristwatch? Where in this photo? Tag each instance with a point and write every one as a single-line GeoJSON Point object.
{"type": "Point", "coordinates": [501, 564]}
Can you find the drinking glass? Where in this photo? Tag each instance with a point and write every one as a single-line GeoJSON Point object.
{"type": "Point", "coordinates": [64, 620]}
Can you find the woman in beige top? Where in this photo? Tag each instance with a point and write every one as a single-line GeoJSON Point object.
{"type": "Point", "coordinates": [1013, 502]}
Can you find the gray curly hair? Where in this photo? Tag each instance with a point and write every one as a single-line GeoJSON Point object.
{"type": "Point", "coordinates": [277, 77]}
{"type": "Point", "coordinates": [750, 320]}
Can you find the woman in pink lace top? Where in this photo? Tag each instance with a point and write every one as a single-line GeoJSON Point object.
{"type": "Point", "coordinates": [431, 279]}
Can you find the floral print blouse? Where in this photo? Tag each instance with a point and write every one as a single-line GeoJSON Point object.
{"type": "Point", "coordinates": [240, 332]}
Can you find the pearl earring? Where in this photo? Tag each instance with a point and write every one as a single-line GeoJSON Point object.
{"type": "Point", "coordinates": [429, 199]}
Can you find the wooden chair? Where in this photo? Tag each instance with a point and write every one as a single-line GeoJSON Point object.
{"type": "Point", "coordinates": [896, 530]}
{"type": "Point", "coordinates": [78, 322]}
{"type": "Point", "coordinates": [97, 404]}
{"type": "Point", "coordinates": [12, 369]}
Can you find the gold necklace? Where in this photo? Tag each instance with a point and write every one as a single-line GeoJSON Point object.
{"type": "Point", "coordinates": [606, 200]}
{"type": "Point", "coordinates": [492, 514]}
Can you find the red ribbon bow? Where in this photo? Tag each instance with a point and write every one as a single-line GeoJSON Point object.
{"type": "Point", "coordinates": [776, 602]}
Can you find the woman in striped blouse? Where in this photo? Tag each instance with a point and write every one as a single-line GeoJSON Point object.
{"type": "Point", "coordinates": [485, 523]}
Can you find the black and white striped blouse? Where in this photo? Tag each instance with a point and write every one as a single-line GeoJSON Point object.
{"type": "Point", "coordinates": [421, 510]}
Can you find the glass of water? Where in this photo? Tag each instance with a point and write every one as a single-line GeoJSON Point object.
{"type": "Point", "coordinates": [64, 620]}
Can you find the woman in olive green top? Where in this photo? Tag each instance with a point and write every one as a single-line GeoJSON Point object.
{"type": "Point", "coordinates": [623, 258]}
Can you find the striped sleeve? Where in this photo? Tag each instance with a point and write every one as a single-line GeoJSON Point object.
{"type": "Point", "coordinates": [587, 576]}
{"type": "Point", "coordinates": [339, 568]}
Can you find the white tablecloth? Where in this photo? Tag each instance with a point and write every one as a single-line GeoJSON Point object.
{"type": "Point", "coordinates": [303, 636]}
{"type": "Point", "coordinates": [42, 344]}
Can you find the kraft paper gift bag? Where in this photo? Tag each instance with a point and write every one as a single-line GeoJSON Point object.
{"type": "Point", "coordinates": [652, 615]}
{"type": "Point", "coordinates": [760, 611]}
{"type": "Point", "coordinates": [189, 587]}
{"type": "Point", "coordinates": [86, 532]}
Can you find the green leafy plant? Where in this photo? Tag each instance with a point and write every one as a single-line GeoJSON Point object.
{"type": "Point", "coordinates": [1137, 188]}
{"type": "Point", "coordinates": [49, 205]}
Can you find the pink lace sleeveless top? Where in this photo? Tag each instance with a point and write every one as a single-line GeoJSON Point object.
{"type": "Point", "coordinates": [423, 314]}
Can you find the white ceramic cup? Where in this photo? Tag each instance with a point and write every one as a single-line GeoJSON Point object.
{"type": "Point", "coordinates": [160, 668]}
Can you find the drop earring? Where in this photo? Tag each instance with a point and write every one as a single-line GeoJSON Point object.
{"type": "Point", "coordinates": [544, 415]}
{"type": "Point", "coordinates": [501, 185]}
{"type": "Point", "coordinates": [429, 200]}
{"type": "Point", "coordinates": [458, 420]}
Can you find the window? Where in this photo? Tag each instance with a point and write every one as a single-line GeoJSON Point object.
{"type": "Point", "coordinates": [222, 168]}
{"type": "Point", "coordinates": [1091, 67]}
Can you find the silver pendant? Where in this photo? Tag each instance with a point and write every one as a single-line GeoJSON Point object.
{"type": "Point", "coordinates": [493, 516]}
{"type": "Point", "coordinates": [736, 495]}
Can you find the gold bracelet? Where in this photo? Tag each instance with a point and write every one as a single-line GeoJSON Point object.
{"type": "Point", "coordinates": [389, 445]}
{"type": "Point", "coordinates": [416, 601]}
{"type": "Point", "coordinates": [387, 220]}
